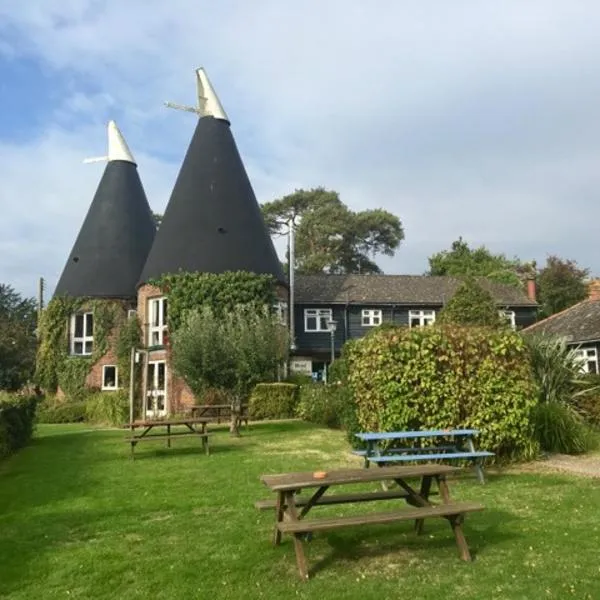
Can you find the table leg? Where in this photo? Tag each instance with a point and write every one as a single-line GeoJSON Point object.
{"type": "Point", "coordinates": [299, 549]}
{"type": "Point", "coordinates": [279, 506]}
{"type": "Point", "coordinates": [168, 436]}
{"type": "Point", "coordinates": [478, 461]}
{"type": "Point", "coordinates": [424, 493]}
{"type": "Point", "coordinates": [461, 542]}
{"type": "Point", "coordinates": [443, 487]}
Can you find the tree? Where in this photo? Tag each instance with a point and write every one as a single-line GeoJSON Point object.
{"type": "Point", "coordinates": [329, 236]}
{"type": "Point", "coordinates": [157, 219]}
{"type": "Point", "coordinates": [17, 338]}
{"type": "Point", "coordinates": [463, 260]}
{"type": "Point", "coordinates": [231, 352]}
{"type": "Point", "coordinates": [561, 283]}
{"type": "Point", "coordinates": [471, 305]}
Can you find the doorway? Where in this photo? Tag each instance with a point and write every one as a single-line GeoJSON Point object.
{"type": "Point", "coordinates": [156, 394]}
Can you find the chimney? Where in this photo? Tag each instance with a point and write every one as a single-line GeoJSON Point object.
{"type": "Point", "coordinates": [530, 283]}
{"type": "Point", "coordinates": [594, 289]}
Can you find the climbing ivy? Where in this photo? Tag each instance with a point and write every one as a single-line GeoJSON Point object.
{"type": "Point", "coordinates": [55, 367]}
{"type": "Point", "coordinates": [129, 336]}
{"type": "Point", "coordinates": [220, 291]}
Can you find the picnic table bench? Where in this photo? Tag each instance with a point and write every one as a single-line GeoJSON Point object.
{"type": "Point", "coordinates": [291, 509]}
{"type": "Point", "coordinates": [379, 451]}
{"type": "Point", "coordinates": [218, 411]}
{"type": "Point", "coordinates": [191, 425]}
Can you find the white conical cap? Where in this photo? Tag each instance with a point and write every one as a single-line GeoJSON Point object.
{"type": "Point", "coordinates": [117, 146]}
{"type": "Point", "coordinates": [208, 101]}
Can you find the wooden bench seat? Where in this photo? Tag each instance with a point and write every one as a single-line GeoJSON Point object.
{"type": "Point", "coordinates": [442, 510]}
{"type": "Point", "coordinates": [340, 499]}
{"type": "Point", "coordinates": [163, 436]}
{"type": "Point", "coordinates": [414, 449]}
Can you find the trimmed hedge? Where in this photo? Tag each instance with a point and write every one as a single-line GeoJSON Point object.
{"type": "Point", "coordinates": [324, 404]}
{"type": "Point", "coordinates": [66, 412]}
{"type": "Point", "coordinates": [17, 416]}
{"type": "Point", "coordinates": [108, 408]}
{"type": "Point", "coordinates": [446, 377]}
{"type": "Point", "coordinates": [273, 401]}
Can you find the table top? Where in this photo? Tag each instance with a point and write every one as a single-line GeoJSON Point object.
{"type": "Point", "coordinates": [205, 406]}
{"type": "Point", "coordinates": [158, 422]}
{"type": "Point", "coordinates": [294, 481]}
{"type": "Point", "coordinates": [397, 435]}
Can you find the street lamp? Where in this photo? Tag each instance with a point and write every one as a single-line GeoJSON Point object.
{"type": "Point", "coordinates": [332, 327]}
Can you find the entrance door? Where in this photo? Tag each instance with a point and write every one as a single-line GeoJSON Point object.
{"type": "Point", "coordinates": [156, 396]}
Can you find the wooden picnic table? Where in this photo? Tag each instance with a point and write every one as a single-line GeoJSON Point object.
{"type": "Point", "coordinates": [291, 508]}
{"type": "Point", "coordinates": [216, 411]}
{"type": "Point", "coordinates": [447, 444]}
{"type": "Point", "coordinates": [194, 427]}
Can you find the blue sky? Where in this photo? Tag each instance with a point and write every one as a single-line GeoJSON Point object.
{"type": "Point", "coordinates": [471, 118]}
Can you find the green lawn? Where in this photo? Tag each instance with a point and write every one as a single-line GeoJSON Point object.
{"type": "Point", "coordinates": [78, 519]}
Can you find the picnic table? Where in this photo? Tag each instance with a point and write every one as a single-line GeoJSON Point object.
{"type": "Point", "coordinates": [216, 411]}
{"type": "Point", "coordinates": [194, 427]}
{"type": "Point", "coordinates": [291, 509]}
{"type": "Point", "coordinates": [447, 444]}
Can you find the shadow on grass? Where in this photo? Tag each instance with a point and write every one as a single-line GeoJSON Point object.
{"type": "Point", "coordinates": [174, 452]}
{"type": "Point", "coordinates": [487, 533]}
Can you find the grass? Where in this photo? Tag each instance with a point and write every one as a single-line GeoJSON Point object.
{"type": "Point", "coordinates": [78, 519]}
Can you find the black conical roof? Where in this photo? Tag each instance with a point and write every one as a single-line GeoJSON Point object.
{"type": "Point", "coordinates": [114, 240]}
{"type": "Point", "coordinates": [212, 223]}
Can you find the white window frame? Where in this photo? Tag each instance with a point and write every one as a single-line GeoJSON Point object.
{"type": "Point", "coordinates": [110, 387]}
{"type": "Point", "coordinates": [280, 309]}
{"type": "Point", "coordinates": [157, 325]}
{"type": "Point", "coordinates": [585, 356]}
{"type": "Point", "coordinates": [509, 315]}
{"type": "Point", "coordinates": [426, 317]}
{"type": "Point", "coordinates": [371, 317]}
{"type": "Point", "coordinates": [322, 315]}
{"type": "Point", "coordinates": [83, 339]}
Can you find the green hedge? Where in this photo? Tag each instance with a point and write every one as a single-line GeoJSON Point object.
{"type": "Point", "coordinates": [273, 401]}
{"type": "Point", "coordinates": [327, 405]}
{"type": "Point", "coordinates": [108, 408]}
{"type": "Point", "coordinates": [65, 412]}
{"type": "Point", "coordinates": [17, 416]}
{"type": "Point", "coordinates": [445, 377]}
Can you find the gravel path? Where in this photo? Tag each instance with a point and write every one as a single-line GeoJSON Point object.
{"type": "Point", "coordinates": [587, 466]}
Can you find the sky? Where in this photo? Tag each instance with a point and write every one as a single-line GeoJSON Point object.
{"type": "Point", "coordinates": [475, 118]}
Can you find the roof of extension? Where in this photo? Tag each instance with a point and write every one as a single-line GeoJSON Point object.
{"type": "Point", "coordinates": [579, 323]}
{"type": "Point", "coordinates": [116, 235]}
{"type": "Point", "coordinates": [395, 289]}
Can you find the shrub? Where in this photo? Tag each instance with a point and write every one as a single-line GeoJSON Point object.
{"type": "Point", "coordinates": [299, 379]}
{"type": "Point", "coordinates": [51, 411]}
{"type": "Point", "coordinates": [445, 377]}
{"type": "Point", "coordinates": [108, 408]}
{"type": "Point", "coordinates": [273, 401]}
{"type": "Point", "coordinates": [17, 415]}
{"type": "Point", "coordinates": [588, 406]}
{"type": "Point", "coordinates": [323, 404]}
{"type": "Point", "coordinates": [559, 429]}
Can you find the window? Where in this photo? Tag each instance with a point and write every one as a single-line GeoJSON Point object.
{"type": "Point", "coordinates": [421, 318]}
{"type": "Point", "coordinates": [509, 315]}
{"type": "Point", "coordinates": [588, 357]}
{"type": "Point", "coordinates": [371, 317]}
{"type": "Point", "coordinates": [110, 377]}
{"type": "Point", "coordinates": [82, 334]}
{"type": "Point", "coordinates": [157, 311]}
{"type": "Point", "coordinates": [316, 319]}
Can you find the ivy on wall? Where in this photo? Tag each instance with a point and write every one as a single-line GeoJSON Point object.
{"type": "Point", "coordinates": [55, 366]}
{"type": "Point", "coordinates": [220, 291]}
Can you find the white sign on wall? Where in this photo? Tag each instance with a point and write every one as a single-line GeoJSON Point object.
{"type": "Point", "coordinates": [301, 365]}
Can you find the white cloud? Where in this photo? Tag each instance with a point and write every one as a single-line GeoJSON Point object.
{"type": "Point", "coordinates": [474, 119]}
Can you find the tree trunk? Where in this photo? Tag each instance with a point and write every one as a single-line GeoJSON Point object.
{"type": "Point", "coordinates": [236, 410]}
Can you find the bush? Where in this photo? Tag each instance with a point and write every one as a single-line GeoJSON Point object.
{"type": "Point", "coordinates": [108, 408]}
{"type": "Point", "coordinates": [446, 377]}
{"type": "Point", "coordinates": [51, 411]}
{"type": "Point", "coordinates": [299, 379]}
{"type": "Point", "coordinates": [559, 429]}
{"type": "Point", "coordinates": [273, 401]}
{"type": "Point", "coordinates": [17, 416]}
{"type": "Point", "coordinates": [588, 406]}
{"type": "Point", "coordinates": [323, 404]}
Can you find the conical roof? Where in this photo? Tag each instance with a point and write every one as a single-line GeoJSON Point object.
{"type": "Point", "coordinates": [116, 235]}
{"type": "Point", "coordinates": [212, 223]}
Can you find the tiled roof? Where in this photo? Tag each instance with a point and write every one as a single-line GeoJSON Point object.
{"type": "Point", "coordinates": [395, 289]}
{"type": "Point", "coordinates": [579, 323]}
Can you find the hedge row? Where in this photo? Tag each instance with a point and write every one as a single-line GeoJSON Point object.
{"type": "Point", "coordinates": [101, 408]}
{"type": "Point", "coordinates": [273, 401]}
{"type": "Point", "coordinates": [17, 416]}
{"type": "Point", "coordinates": [447, 377]}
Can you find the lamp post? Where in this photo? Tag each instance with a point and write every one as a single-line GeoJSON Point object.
{"type": "Point", "coordinates": [332, 327]}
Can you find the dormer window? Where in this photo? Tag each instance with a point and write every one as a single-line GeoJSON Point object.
{"type": "Point", "coordinates": [157, 329]}
{"type": "Point", "coordinates": [82, 334]}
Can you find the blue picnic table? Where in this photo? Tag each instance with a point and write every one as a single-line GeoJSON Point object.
{"type": "Point", "coordinates": [448, 444]}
